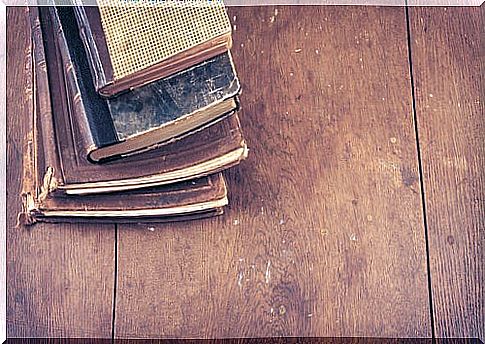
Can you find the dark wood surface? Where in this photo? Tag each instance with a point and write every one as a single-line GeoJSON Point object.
{"type": "Point", "coordinates": [325, 234]}
{"type": "Point", "coordinates": [448, 72]}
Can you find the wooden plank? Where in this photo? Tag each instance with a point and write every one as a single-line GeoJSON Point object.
{"type": "Point", "coordinates": [60, 278]}
{"type": "Point", "coordinates": [448, 72]}
{"type": "Point", "coordinates": [324, 235]}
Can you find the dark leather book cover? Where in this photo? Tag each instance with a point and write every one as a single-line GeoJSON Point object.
{"type": "Point", "coordinates": [43, 173]}
{"type": "Point", "coordinates": [153, 114]}
{"type": "Point", "coordinates": [208, 151]}
{"type": "Point", "coordinates": [129, 46]}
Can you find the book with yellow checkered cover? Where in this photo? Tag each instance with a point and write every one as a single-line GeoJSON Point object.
{"type": "Point", "coordinates": [132, 44]}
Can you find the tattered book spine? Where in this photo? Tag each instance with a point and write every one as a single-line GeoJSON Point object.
{"type": "Point", "coordinates": [29, 171]}
{"type": "Point", "coordinates": [75, 101]}
{"type": "Point", "coordinates": [88, 38]}
{"type": "Point", "coordinates": [37, 184]}
{"type": "Point", "coordinates": [28, 193]}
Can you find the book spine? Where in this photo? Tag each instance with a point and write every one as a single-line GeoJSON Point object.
{"type": "Point", "coordinates": [87, 37]}
{"type": "Point", "coordinates": [37, 184]}
{"type": "Point", "coordinates": [42, 107]}
{"type": "Point", "coordinates": [76, 105]}
{"type": "Point", "coordinates": [28, 192]}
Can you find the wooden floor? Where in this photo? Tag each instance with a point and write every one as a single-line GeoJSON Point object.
{"type": "Point", "coordinates": [358, 212]}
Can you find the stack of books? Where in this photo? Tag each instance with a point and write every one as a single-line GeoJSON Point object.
{"type": "Point", "coordinates": [135, 113]}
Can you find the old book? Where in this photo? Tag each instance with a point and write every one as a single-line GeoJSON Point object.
{"type": "Point", "coordinates": [217, 147]}
{"type": "Point", "coordinates": [42, 175]}
{"type": "Point", "coordinates": [158, 113]}
{"type": "Point", "coordinates": [130, 46]}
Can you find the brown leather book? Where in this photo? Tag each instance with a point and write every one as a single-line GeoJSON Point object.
{"type": "Point", "coordinates": [206, 152]}
{"type": "Point", "coordinates": [43, 174]}
{"type": "Point", "coordinates": [130, 46]}
{"type": "Point", "coordinates": [155, 114]}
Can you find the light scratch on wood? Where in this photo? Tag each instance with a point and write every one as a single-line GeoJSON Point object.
{"type": "Point", "coordinates": [267, 275]}
{"type": "Point", "coordinates": [240, 277]}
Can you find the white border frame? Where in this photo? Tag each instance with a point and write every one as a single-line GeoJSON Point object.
{"type": "Point", "coordinates": [3, 171]}
{"type": "Point", "coordinates": [266, 2]}
{"type": "Point", "coordinates": [3, 102]}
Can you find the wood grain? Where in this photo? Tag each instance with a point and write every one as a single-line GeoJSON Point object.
{"type": "Point", "coordinates": [447, 57]}
{"type": "Point", "coordinates": [60, 278]}
{"type": "Point", "coordinates": [324, 235]}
